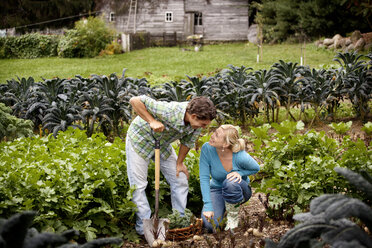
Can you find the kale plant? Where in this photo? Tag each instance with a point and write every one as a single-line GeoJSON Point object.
{"type": "Point", "coordinates": [176, 220]}
{"type": "Point", "coordinates": [15, 232]}
{"type": "Point", "coordinates": [330, 219]}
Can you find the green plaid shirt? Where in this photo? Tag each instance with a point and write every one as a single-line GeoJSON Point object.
{"type": "Point", "coordinates": [171, 114]}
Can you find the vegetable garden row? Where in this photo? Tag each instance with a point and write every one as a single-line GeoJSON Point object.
{"type": "Point", "coordinates": [102, 103]}
{"type": "Point", "coordinates": [77, 178]}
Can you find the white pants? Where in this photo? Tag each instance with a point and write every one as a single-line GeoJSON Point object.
{"type": "Point", "coordinates": [137, 169]}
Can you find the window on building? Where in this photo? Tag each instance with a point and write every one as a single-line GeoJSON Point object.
{"type": "Point", "coordinates": [168, 16]}
{"type": "Point", "coordinates": [198, 21]}
{"type": "Point", "coordinates": [112, 17]}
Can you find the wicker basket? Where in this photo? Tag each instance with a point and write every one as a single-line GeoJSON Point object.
{"type": "Point", "coordinates": [178, 234]}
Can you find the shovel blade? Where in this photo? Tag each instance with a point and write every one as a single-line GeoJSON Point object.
{"type": "Point", "coordinates": [151, 232]}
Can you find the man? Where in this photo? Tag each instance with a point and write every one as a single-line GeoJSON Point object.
{"type": "Point", "coordinates": [174, 120]}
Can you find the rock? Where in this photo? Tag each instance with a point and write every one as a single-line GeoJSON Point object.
{"type": "Point", "coordinates": [158, 243]}
{"type": "Point", "coordinates": [252, 34]}
{"type": "Point", "coordinates": [168, 244]}
{"type": "Point", "coordinates": [340, 43]}
{"type": "Point", "coordinates": [197, 238]}
{"type": "Point", "coordinates": [347, 41]}
{"type": "Point", "coordinates": [368, 47]}
{"type": "Point", "coordinates": [355, 36]}
{"type": "Point", "coordinates": [318, 43]}
{"type": "Point", "coordinates": [367, 37]}
{"type": "Point", "coordinates": [328, 42]}
{"type": "Point", "coordinates": [322, 46]}
{"type": "Point", "coordinates": [257, 233]}
{"type": "Point", "coordinates": [359, 45]}
{"type": "Point", "coordinates": [336, 37]}
{"type": "Point", "coordinates": [331, 46]}
{"type": "Point", "coordinates": [350, 47]}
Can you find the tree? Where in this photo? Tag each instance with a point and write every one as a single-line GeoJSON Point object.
{"type": "Point", "coordinates": [283, 19]}
{"type": "Point", "coordinates": [16, 13]}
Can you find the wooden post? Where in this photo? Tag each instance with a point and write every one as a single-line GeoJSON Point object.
{"type": "Point", "coordinates": [304, 52]}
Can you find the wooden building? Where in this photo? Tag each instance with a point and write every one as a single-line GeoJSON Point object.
{"type": "Point", "coordinates": [215, 20]}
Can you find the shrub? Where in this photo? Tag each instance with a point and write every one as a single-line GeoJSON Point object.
{"type": "Point", "coordinates": [112, 48]}
{"type": "Point", "coordinates": [32, 45]}
{"type": "Point", "coordinates": [87, 39]}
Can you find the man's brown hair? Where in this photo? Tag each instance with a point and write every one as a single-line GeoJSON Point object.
{"type": "Point", "coordinates": [203, 107]}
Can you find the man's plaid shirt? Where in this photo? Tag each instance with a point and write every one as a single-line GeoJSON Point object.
{"type": "Point", "coordinates": [171, 114]}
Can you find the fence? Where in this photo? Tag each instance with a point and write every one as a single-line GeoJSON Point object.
{"type": "Point", "coordinates": [141, 40]}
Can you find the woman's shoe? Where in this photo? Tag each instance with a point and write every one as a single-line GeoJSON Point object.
{"type": "Point", "coordinates": [232, 210]}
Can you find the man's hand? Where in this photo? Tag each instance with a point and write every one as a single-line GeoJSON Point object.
{"type": "Point", "coordinates": [157, 126]}
{"type": "Point", "coordinates": [182, 168]}
{"type": "Point", "coordinates": [208, 215]}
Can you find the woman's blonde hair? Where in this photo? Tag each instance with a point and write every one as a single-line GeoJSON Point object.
{"type": "Point", "coordinates": [232, 138]}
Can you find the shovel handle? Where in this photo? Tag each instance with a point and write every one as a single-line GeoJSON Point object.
{"type": "Point", "coordinates": [157, 169]}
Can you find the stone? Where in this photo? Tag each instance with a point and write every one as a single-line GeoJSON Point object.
{"type": "Point", "coordinates": [359, 45]}
{"type": "Point", "coordinates": [337, 37]}
{"type": "Point", "coordinates": [331, 46]}
{"type": "Point", "coordinates": [252, 34]}
{"type": "Point", "coordinates": [257, 233]}
{"type": "Point", "coordinates": [318, 42]}
{"type": "Point", "coordinates": [328, 42]}
{"type": "Point", "coordinates": [355, 36]}
{"type": "Point", "coordinates": [368, 47]}
{"type": "Point", "coordinates": [350, 47]}
{"type": "Point", "coordinates": [347, 41]}
{"type": "Point", "coordinates": [322, 46]}
{"type": "Point", "coordinates": [340, 43]}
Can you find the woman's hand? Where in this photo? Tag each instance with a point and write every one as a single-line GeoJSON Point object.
{"type": "Point", "coordinates": [208, 215]}
{"type": "Point", "coordinates": [234, 176]}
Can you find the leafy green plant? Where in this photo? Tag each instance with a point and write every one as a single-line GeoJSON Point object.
{"type": "Point", "coordinates": [299, 166]}
{"type": "Point", "coordinates": [341, 127]}
{"type": "Point", "coordinates": [263, 86]}
{"type": "Point", "coordinates": [72, 181]}
{"type": "Point", "coordinates": [178, 221]}
{"type": "Point", "coordinates": [316, 89]}
{"type": "Point", "coordinates": [367, 128]}
{"type": "Point", "coordinates": [61, 115]}
{"type": "Point", "coordinates": [287, 73]}
{"type": "Point", "coordinates": [12, 127]}
{"type": "Point", "coordinates": [97, 109]}
{"type": "Point", "coordinates": [329, 220]}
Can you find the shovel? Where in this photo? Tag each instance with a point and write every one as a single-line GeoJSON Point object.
{"type": "Point", "coordinates": [155, 228]}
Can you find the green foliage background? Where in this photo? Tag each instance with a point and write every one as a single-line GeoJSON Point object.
{"type": "Point", "coordinates": [290, 19]}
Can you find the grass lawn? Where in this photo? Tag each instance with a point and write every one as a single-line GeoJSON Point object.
{"type": "Point", "coordinates": [163, 64]}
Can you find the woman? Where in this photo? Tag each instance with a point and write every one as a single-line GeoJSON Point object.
{"type": "Point", "coordinates": [224, 182]}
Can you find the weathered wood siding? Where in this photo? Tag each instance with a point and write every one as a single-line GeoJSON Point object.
{"type": "Point", "coordinates": [223, 20]}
